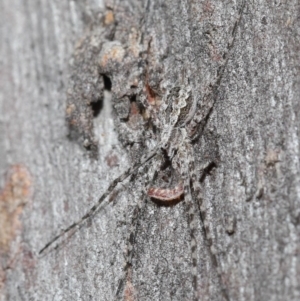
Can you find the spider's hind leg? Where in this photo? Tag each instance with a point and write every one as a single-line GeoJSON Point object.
{"type": "Point", "coordinates": [190, 208]}
{"type": "Point", "coordinates": [101, 199]}
{"type": "Point", "coordinates": [125, 284]}
{"type": "Point", "coordinates": [191, 211]}
{"type": "Point", "coordinates": [181, 164]}
{"type": "Point", "coordinates": [198, 196]}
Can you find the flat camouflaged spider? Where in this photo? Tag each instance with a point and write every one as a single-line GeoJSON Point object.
{"type": "Point", "coordinates": [181, 116]}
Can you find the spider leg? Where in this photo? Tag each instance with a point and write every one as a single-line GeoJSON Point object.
{"type": "Point", "coordinates": [131, 234]}
{"type": "Point", "coordinates": [181, 163]}
{"type": "Point", "coordinates": [110, 188]}
{"type": "Point", "coordinates": [191, 219]}
{"type": "Point", "coordinates": [197, 192]}
{"type": "Point", "coordinates": [130, 239]}
{"type": "Point", "coordinates": [196, 125]}
{"type": "Point", "coordinates": [191, 210]}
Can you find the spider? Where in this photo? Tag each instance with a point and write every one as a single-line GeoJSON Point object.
{"type": "Point", "coordinates": [178, 108]}
{"type": "Point", "coordinates": [182, 117]}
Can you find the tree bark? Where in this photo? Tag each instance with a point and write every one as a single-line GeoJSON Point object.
{"type": "Point", "coordinates": [65, 138]}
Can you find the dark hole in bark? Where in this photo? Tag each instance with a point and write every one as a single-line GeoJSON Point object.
{"type": "Point", "coordinates": [107, 82]}
{"type": "Point", "coordinates": [97, 107]}
{"type": "Point", "coordinates": [133, 98]}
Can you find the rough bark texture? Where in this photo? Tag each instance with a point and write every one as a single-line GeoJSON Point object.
{"type": "Point", "coordinates": [251, 193]}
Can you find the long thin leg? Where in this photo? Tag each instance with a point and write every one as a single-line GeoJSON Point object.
{"type": "Point", "coordinates": [127, 269]}
{"type": "Point", "coordinates": [130, 239]}
{"type": "Point", "coordinates": [199, 120]}
{"type": "Point", "coordinates": [191, 220]}
{"type": "Point", "coordinates": [181, 162]}
{"type": "Point", "coordinates": [110, 188]}
{"type": "Point", "coordinates": [197, 192]}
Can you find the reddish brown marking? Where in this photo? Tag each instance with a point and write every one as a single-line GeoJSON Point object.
{"type": "Point", "coordinates": [109, 18]}
{"type": "Point", "coordinates": [13, 197]}
{"type": "Point", "coordinates": [166, 194]}
{"type": "Point", "coordinates": [129, 291]}
{"type": "Point", "coordinates": [17, 191]}
{"type": "Point", "coordinates": [134, 110]}
{"type": "Point", "coordinates": [150, 95]}
{"type": "Point", "coordinates": [135, 117]}
{"type": "Point", "coordinates": [111, 160]}
{"type": "Point", "coordinates": [28, 261]}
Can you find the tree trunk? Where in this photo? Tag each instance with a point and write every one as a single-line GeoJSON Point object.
{"type": "Point", "coordinates": [81, 85]}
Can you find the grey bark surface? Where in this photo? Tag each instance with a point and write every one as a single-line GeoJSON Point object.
{"type": "Point", "coordinates": [251, 193]}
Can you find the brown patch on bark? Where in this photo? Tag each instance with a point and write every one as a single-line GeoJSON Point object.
{"type": "Point", "coordinates": [109, 18]}
{"type": "Point", "coordinates": [15, 194]}
{"type": "Point", "coordinates": [113, 52]}
{"type": "Point", "coordinates": [28, 261]}
{"type": "Point", "coordinates": [129, 291]}
{"type": "Point", "coordinates": [151, 97]}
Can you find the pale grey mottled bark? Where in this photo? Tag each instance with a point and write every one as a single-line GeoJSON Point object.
{"type": "Point", "coordinates": [252, 193]}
